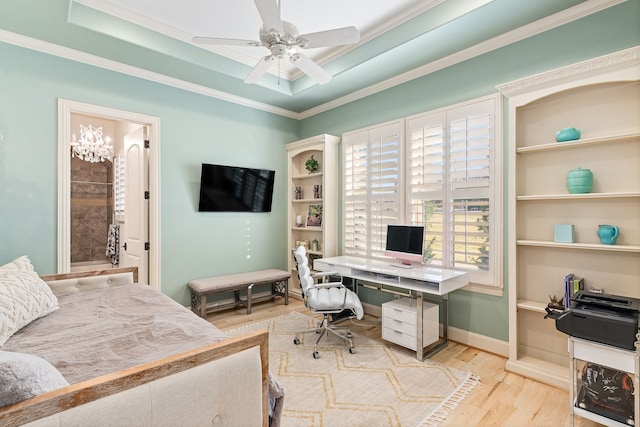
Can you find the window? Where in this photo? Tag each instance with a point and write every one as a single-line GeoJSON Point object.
{"type": "Point", "coordinates": [371, 196]}
{"type": "Point", "coordinates": [449, 183]}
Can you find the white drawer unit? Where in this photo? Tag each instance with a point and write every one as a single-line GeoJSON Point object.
{"type": "Point", "coordinates": [399, 322]}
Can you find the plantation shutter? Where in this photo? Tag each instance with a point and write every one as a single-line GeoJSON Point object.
{"type": "Point", "coordinates": [470, 133]}
{"type": "Point", "coordinates": [471, 142]}
{"type": "Point", "coordinates": [372, 188]}
{"type": "Point", "coordinates": [427, 175]}
{"type": "Point", "coordinates": [355, 204]}
{"type": "Point", "coordinates": [449, 178]}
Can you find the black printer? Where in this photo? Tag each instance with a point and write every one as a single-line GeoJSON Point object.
{"type": "Point", "coordinates": [607, 319]}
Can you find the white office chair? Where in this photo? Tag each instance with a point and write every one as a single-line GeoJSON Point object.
{"type": "Point", "coordinates": [325, 298]}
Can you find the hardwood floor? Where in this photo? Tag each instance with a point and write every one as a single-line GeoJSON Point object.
{"type": "Point", "coordinates": [501, 399]}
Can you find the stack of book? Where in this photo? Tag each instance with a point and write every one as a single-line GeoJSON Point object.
{"type": "Point", "coordinates": [572, 284]}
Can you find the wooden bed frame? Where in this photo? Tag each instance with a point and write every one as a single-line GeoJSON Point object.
{"type": "Point", "coordinates": [87, 391]}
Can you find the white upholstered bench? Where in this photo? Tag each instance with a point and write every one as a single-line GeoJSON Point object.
{"type": "Point", "coordinates": [201, 288]}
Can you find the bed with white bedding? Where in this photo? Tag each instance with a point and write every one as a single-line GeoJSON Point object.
{"type": "Point", "coordinates": [110, 351]}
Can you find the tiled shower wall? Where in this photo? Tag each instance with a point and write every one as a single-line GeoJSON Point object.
{"type": "Point", "coordinates": [91, 209]}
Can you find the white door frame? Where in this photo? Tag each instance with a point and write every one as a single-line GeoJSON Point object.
{"type": "Point", "coordinates": [65, 109]}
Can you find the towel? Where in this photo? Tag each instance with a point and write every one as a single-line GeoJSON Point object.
{"type": "Point", "coordinates": [113, 244]}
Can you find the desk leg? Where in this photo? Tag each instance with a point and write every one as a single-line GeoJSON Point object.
{"type": "Point", "coordinates": [419, 326]}
{"type": "Point", "coordinates": [440, 344]}
{"type": "Point", "coordinates": [445, 318]}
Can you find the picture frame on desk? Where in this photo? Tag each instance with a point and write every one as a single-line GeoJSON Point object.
{"type": "Point", "coordinates": [314, 216]}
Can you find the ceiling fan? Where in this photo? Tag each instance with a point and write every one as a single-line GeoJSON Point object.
{"type": "Point", "coordinates": [282, 40]}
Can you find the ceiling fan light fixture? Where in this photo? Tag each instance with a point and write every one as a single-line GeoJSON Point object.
{"type": "Point", "coordinates": [282, 38]}
{"type": "Point", "coordinates": [278, 50]}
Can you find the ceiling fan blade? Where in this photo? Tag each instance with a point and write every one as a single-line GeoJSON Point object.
{"type": "Point", "coordinates": [228, 42]}
{"type": "Point", "coordinates": [310, 68]}
{"type": "Point", "coordinates": [338, 36]}
{"type": "Point", "coordinates": [270, 14]}
{"type": "Point", "coordinates": [260, 69]}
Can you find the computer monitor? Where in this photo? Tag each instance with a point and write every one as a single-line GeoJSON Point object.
{"type": "Point", "coordinates": [405, 243]}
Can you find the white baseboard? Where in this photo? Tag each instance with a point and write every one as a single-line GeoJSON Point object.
{"type": "Point", "coordinates": [482, 342]}
{"type": "Point", "coordinates": [472, 339]}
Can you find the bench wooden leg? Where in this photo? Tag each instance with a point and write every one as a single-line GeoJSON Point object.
{"type": "Point", "coordinates": [280, 288]}
{"type": "Point", "coordinates": [203, 306]}
{"type": "Point", "coordinates": [199, 304]}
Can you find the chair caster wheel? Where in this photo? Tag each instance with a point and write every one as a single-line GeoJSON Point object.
{"type": "Point", "coordinates": [316, 355]}
{"type": "Point", "coordinates": [349, 335]}
{"type": "Point", "coordinates": [296, 340]}
{"type": "Point", "coordinates": [352, 350]}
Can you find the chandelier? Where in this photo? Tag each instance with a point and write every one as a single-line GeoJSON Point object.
{"type": "Point", "coordinates": [91, 147]}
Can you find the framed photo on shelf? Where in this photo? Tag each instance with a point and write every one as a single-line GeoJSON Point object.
{"type": "Point", "coordinates": [314, 216]}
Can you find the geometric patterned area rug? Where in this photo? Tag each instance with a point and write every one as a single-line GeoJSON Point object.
{"type": "Point", "coordinates": [379, 385]}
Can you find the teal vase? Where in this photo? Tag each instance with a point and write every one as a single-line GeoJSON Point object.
{"type": "Point", "coordinates": [579, 181]}
{"type": "Point", "coordinates": [608, 234]}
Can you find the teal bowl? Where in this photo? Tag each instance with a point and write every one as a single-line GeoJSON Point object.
{"type": "Point", "coordinates": [567, 134]}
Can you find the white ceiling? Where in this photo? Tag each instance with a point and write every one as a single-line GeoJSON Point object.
{"type": "Point", "coordinates": [239, 19]}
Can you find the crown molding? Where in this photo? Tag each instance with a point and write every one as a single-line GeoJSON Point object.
{"type": "Point", "coordinates": [384, 26]}
{"type": "Point", "coordinates": [566, 16]}
{"type": "Point", "coordinates": [286, 71]}
{"type": "Point", "coordinates": [165, 29]}
{"type": "Point", "coordinates": [602, 64]}
{"type": "Point", "coordinates": [107, 64]}
{"type": "Point", "coordinates": [577, 12]}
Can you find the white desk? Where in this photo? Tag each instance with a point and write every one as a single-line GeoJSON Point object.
{"type": "Point", "coordinates": [413, 282]}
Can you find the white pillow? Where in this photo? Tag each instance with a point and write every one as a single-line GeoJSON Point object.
{"type": "Point", "coordinates": [24, 297]}
{"type": "Point", "coordinates": [24, 375]}
{"type": "Point", "coordinates": [19, 264]}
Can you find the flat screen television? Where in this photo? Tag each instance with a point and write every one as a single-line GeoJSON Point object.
{"type": "Point", "coordinates": [235, 189]}
{"type": "Point", "coordinates": [405, 243]}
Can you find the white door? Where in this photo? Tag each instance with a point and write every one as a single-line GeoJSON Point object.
{"type": "Point", "coordinates": [135, 232]}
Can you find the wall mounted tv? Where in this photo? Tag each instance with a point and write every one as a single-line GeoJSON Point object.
{"type": "Point", "coordinates": [235, 189]}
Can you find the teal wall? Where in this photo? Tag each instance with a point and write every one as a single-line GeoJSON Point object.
{"type": "Point", "coordinates": [611, 30]}
{"type": "Point", "coordinates": [194, 129]}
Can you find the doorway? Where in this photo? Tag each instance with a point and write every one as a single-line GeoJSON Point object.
{"type": "Point", "coordinates": [138, 225]}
